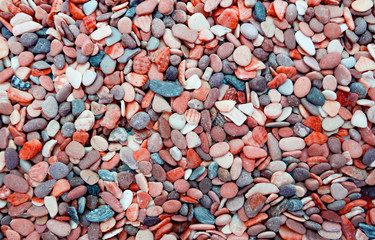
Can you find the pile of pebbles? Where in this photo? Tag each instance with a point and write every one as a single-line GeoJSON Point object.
{"type": "Point", "coordinates": [201, 119]}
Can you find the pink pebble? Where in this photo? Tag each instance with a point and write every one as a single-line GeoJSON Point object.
{"type": "Point", "coordinates": [302, 87]}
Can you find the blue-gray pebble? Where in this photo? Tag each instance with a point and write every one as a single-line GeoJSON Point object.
{"type": "Point", "coordinates": [203, 215]}
{"type": "Point", "coordinates": [100, 214]}
{"type": "Point", "coordinates": [165, 89]}
{"type": "Point", "coordinates": [235, 82]}
{"type": "Point", "coordinates": [316, 97]}
{"type": "Point", "coordinates": [106, 175]}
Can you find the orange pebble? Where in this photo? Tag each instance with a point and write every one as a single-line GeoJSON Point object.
{"type": "Point", "coordinates": [30, 149]}
{"type": "Point", "coordinates": [142, 154]}
{"type": "Point", "coordinates": [316, 138]}
{"type": "Point", "coordinates": [17, 198]}
{"type": "Point", "coordinates": [277, 81]}
{"type": "Point", "coordinates": [61, 186]}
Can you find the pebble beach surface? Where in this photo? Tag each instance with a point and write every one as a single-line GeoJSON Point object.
{"type": "Point", "coordinates": [187, 119]}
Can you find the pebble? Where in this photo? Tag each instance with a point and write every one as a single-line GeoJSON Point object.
{"type": "Point", "coordinates": [204, 216]}
{"type": "Point", "coordinates": [249, 31]}
{"type": "Point", "coordinates": [16, 183]}
{"type": "Point", "coordinates": [305, 43]}
{"type": "Point", "coordinates": [11, 158]}
{"type": "Point", "coordinates": [242, 55]}
{"type": "Point", "coordinates": [198, 22]}
{"type": "Point", "coordinates": [58, 170]}
{"type": "Point", "coordinates": [61, 229]}
{"type": "Point", "coordinates": [369, 157]}
{"type": "Point", "coordinates": [50, 107]}
{"type": "Point", "coordinates": [22, 226]}
{"type": "Point", "coordinates": [41, 46]}
{"type": "Point", "coordinates": [165, 89]}
{"type": "Point", "coordinates": [100, 214]}
{"type": "Point", "coordinates": [89, 7]}
{"type": "Point", "coordinates": [140, 120]}
{"type": "Point", "coordinates": [315, 97]}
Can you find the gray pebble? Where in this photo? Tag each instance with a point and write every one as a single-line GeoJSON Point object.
{"type": "Point", "coordinates": [28, 39]}
{"type": "Point", "coordinates": [68, 129]}
{"type": "Point", "coordinates": [140, 120]}
{"type": "Point", "coordinates": [78, 106]}
{"type": "Point", "coordinates": [360, 25]}
{"type": "Point", "coordinates": [44, 188]}
{"type": "Point", "coordinates": [11, 158]}
{"type": "Point", "coordinates": [287, 190]}
{"type": "Point", "coordinates": [58, 170]}
{"type": "Point", "coordinates": [50, 107]}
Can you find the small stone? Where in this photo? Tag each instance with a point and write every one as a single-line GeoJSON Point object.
{"type": "Point", "coordinates": [242, 55]}
{"type": "Point", "coordinates": [295, 205]}
{"type": "Point", "coordinates": [316, 97]}
{"type": "Point", "coordinates": [140, 120]}
{"type": "Point", "coordinates": [42, 46]}
{"type": "Point", "coordinates": [287, 190]}
{"type": "Point", "coordinates": [235, 82]}
{"type": "Point", "coordinates": [58, 170]}
{"type": "Point", "coordinates": [106, 175]}
{"type": "Point", "coordinates": [78, 106]}
{"type": "Point", "coordinates": [254, 204]}
{"type": "Point", "coordinates": [301, 174]}
{"type": "Point", "coordinates": [359, 119]}
{"type": "Point", "coordinates": [273, 224]}
{"type": "Point", "coordinates": [336, 205]}
{"type": "Point", "coordinates": [11, 158]}
{"type": "Point", "coordinates": [16, 183]}
{"type": "Point", "coordinates": [107, 65]}
{"type": "Point", "coordinates": [369, 157]}
{"type": "Point", "coordinates": [74, 77]}
{"type": "Point", "coordinates": [29, 39]}
{"type": "Point", "coordinates": [100, 214]}
{"type": "Point", "coordinates": [259, 12]}
{"type": "Point", "coordinates": [44, 188]}
{"type": "Point", "coordinates": [338, 192]}
{"type": "Point", "coordinates": [61, 229]}
{"type": "Point", "coordinates": [198, 22]}
{"type": "Point", "coordinates": [50, 107]}
{"type": "Point", "coordinates": [359, 89]}
{"type": "Point", "coordinates": [22, 226]}
{"type": "Point", "coordinates": [249, 31]}
{"type": "Point", "coordinates": [305, 43]}
{"type": "Point", "coordinates": [203, 215]}
{"type": "Point", "coordinates": [89, 7]}
{"type": "Point", "coordinates": [165, 89]}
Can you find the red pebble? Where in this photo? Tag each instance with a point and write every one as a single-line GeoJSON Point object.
{"type": "Point", "coordinates": [30, 149]}
{"type": "Point", "coordinates": [277, 81]}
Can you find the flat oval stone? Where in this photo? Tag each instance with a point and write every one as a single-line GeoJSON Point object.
{"type": "Point", "coordinates": [140, 120]}
{"type": "Point", "coordinates": [16, 183]}
{"type": "Point", "coordinates": [58, 170]}
{"type": "Point", "coordinates": [22, 226]}
{"type": "Point", "coordinates": [11, 158]}
{"type": "Point", "coordinates": [60, 228]}
{"type": "Point", "coordinates": [369, 157]}
{"type": "Point", "coordinates": [292, 144]}
{"type": "Point", "coordinates": [50, 107]}
{"type": "Point", "coordinates": [249, 31]}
